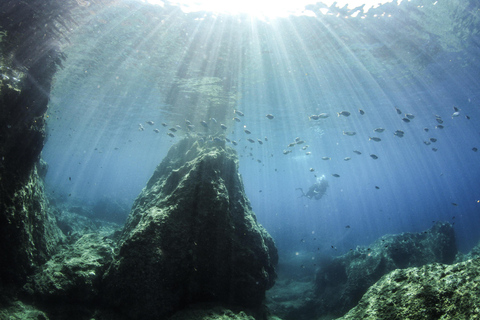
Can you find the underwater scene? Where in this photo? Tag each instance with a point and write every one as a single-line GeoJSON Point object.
{"type": "Point", "coordinates": [220, 160]}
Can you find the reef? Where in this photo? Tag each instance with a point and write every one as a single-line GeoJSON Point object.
{"type": "Point", "coordinates": [191, 237]}
{"type": "Point", "coordinates": [341, 282]}
{"type": "Point", "coordinates": [434, 291]}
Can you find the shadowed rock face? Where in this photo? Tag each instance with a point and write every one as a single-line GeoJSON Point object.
{"type": "Point", "coordinates": [191, 237]}
{"type": "Point", "coordinates": [342, 282]}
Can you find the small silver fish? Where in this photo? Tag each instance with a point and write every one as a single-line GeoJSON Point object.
{"type": "Point", "coordinates": [361, 112]}
{"type": "Point", "coordinates": [406, 120]}
{"type": "Point", "coordinates": [349, 133]}
{"type": "Point", "coordinates": [156, 130]}
{"type": "Point", "coordinates": [357, 152]}
{"type": "Point", "coordinates": [287, 151]}
{"type": "Point", "coordinates": [347, 159]}
{"type": "Point", "coordinates": [379, 130]}
{"type": "Point", "coordinates": [171, 134]}
{"type": "Point", "coordinates": [260, 141]}
{"type": "Point", "coordinates": [323, 115]}
{"type": "Point", "coordinates": [398, 110]}
{"type": "Point", "coordinates": [270, 116]}
{"type": "Point", "coordinates": [204, 123]}
{"type": "Point", "coordinates": [236, 119]}
{"type": "Point", "coordinates": [336, 175]}
{"type": "Point", "coordinates": [247, 131]}
{"type": "Point", "coordinates": [300, 142]}
{"type": "Point", "coordinates": [409, 116]}
{"type": "Point", "coordinates": [376, 139]}
{"type": "Point", "coordinates": [251, 140]}
{"type": "Point", "coordinates": [374, 156]}
{"type": "Point", "coordinates": [150, 123]}
{"type": "Point", "coordinates": [173, 129]}
{"type": "Point", "coordinates": [455, 114]}
{"type": "Point", "coordinates": [343, 113]}
{"type": "Point", "coordinates": [240, 113]}
{"type": "Point", "coordinates": [224, 127]}
{"type": "Point", "coordinates": [308, 153]}
{"type": "Point", "coordinates": [326, 158]}
{"type": "Point", "coordinates": [314, 117]}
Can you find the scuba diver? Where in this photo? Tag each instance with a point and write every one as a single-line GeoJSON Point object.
{"type": "Point", "coordinates": [317, 190]}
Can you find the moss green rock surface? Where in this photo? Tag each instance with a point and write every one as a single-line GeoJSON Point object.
{"type": "Point", "coordinates": [434, 291]}
{"type": "Point", "coordinates": [341, 283]}
{"type": "Point", "coordinates": [191, 237]}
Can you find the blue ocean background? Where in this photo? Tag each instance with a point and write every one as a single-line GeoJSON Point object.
{"type": "Point", "coordinates": [129, 63]}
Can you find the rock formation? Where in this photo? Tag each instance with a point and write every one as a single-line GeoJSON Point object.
{"type": "Point", "coordinates": [434, 291]}
{"type": "Point", "coordinates": [191, 237]}
{"type": "Point", "coordinates": [29, 54]}
{"type": "Point", "coordinates": [342, 282]}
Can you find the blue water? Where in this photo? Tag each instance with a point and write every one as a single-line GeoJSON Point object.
{"type": "Point", "coordinates": [124, 60]}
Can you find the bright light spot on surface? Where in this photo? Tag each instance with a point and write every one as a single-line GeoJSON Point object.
{"type": "Point", "coordinates": [267, 8]}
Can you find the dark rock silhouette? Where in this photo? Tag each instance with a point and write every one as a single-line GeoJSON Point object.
{"type": "Point", "coordinates": [341, 283]}
{"type": "Point", "coordinates": [191, 237]}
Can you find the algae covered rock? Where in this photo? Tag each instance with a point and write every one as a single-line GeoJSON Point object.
{"type": "Point", "coordinates": [434, 291]}
{"type": "Point", "coordinates": [341, 283]}
{"type": "Point", "coordinates": [74, 274]}
{"type": "Point", "coordinates": [191, 237]}
{"type": "Point", "coordinates": [29, 234]}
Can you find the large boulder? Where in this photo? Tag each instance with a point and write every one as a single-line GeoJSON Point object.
{"type": "Point", "coordinates": [434, 291]}
{"type": "Point", "coordinates": [191, 237]}
{"type": "Point", "coordinates": [341, 283]}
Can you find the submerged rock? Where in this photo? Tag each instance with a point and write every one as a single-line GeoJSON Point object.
{"type": "Point", "coordinates": [191, 237]}
{"type": "Point", "coordinates": [29, 234]}
{"type": "Point", "coordinates": [74, 274]}
{"type": "Point", "coordinates": [433, 291]}
{"type": "Point", "coordinates": [342, 282]}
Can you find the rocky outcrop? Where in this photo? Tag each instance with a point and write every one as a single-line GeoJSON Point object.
{"type": "Point", "coordinates": [341, 283]}
{"type": "Point", "coordinates": [205, 312]}
{"type": "Point", "coordinates": [74, 274]}
{"type": "Point", "coordinates": [28, 231]}
{"type": "Point", "coordinates": [434, 291]}
{"type": "Point", "coordinates": [191, 237]}
{"type": "Point", "coordinates": [29, 55]}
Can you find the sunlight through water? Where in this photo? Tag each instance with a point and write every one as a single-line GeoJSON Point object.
{"type": "Point", "coordinates": [266, 8]}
